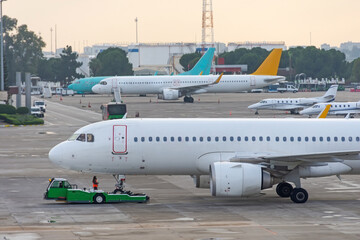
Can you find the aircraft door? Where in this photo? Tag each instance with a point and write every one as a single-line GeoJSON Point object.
{"type": "Point", "coordinates": [119, 139]}
{"type": "Point", "coordinates": [252, 81]}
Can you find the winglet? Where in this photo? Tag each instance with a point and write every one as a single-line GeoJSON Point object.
{"type": "Point", "coordinates": [324, 112]}
{"type": "Point", "coordinates": [271, 63]}
{"type": "Point", "coordinates": [218, 79]}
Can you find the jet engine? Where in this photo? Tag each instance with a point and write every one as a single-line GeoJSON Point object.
{"type": "Point", "coordinates": [229, 179]}
{"type": "Point", "coordinates": [170, 94]}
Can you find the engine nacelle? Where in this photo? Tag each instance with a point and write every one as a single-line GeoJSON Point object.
{"type": "Point", "coordinates": [231, 179]}
{"type": "Point", "coordinates": [170, 94]}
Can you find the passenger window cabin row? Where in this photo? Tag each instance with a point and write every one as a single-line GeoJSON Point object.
{"type": "Point", "coordinates": [246, 139]}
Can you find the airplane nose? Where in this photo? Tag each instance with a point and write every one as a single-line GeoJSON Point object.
{"type": "Point", "coordinates": [56, 154]}
{"type": "Point", "coordinates": [71, 86]}
{"type": "Point", "coordinates": [302, 112]}
{"type": "Point", "coordinates": [96, 89]}
{"type": "Point", "coordinates": [252, 106]}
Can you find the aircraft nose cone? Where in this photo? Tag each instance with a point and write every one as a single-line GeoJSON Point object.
{"type": "Point", "coordinates": [71, 86]}
{"type": "Point", "coordinates": [56, 154]}
{"type": "Point", "coordinates": [252, 106]}
{"type": "Point", "coordinates": [96, 89]}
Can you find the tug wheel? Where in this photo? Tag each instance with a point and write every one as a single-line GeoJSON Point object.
{"type": "Point", "coordinates": [99, 198]}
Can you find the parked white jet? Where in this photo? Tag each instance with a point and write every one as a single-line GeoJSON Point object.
{"type": "Point", "coordinates": [294, 104]}
{"type": "Point", "coordinates": [174, 87]}
{"type": "Point", "coordinates": [236, 157]}
{"type": "Point", "coordinates": [337, 108]}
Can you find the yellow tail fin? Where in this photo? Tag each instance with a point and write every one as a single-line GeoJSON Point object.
{"type": "Point", "coordinates": [324, 112]}
{"type": "Point", "coordinates": [271, 63]}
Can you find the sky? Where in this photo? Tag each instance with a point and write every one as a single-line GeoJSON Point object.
{"type": "Point", "coordinates": [87, 22]}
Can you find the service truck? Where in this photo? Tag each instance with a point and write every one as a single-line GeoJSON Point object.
{"type": "Point", "coordinates": [41, 104]}
{"type": "Point", "coordinates": [287, 88]}
{"type": "Point", "coordinates": [61, 189]}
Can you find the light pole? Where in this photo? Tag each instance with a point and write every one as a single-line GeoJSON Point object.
{"type": "Point", "coordinates": [136, 22]}
{"type": "Point", "coordinates": [2, 47]}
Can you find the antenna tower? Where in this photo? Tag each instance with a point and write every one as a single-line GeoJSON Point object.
{"type": "Point", "coordinates": [207, 23]}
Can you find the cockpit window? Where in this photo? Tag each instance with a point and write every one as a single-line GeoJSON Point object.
{"type": "Point", "coordinates": [81, 137]}
{"type": "Point", "coordinates": [103, 83]}
{"type": "Point", "coordinates": [73, 137]}
{"type": "Point", "coordinates": [90, 137]}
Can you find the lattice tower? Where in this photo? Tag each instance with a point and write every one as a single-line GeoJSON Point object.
{"type": "Point", "coordinates": [207, 23]}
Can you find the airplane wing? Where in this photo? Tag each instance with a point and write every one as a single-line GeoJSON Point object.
{"type": "Point", "coordinates": [194, 88]}
{"type": "Point", "coordinates": [302, 158]}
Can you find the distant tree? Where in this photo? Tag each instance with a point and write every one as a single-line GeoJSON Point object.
{"type": "Point", "coordinates": [48, 69]}
{"type": "Point", "coordinates": [252, 57]}
{"type": "Point", "coordinates": [189, 60]}
{"type": "Point", "coordinates": [95, 67]}
{"type": "Point", "coordinates": [111, 62]}
{"type": "Point", "coordinates": [22, 49]}
{"type": "Point", "coordinates": [355, 72]}
{"type": "Point", "coordinates": [67, 66]}
{"type": "Point", "coordinates": [319, 63]}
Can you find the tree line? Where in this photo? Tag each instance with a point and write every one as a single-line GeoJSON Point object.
{"type": "Point", "coordinates": [23, 53]}
{"type": "Point", "coordinates": [314, 62]}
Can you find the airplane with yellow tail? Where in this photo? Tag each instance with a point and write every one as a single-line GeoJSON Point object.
{"type": "Point", "coordinates": [174, 87]}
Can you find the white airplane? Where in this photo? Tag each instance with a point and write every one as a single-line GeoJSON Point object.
{"type": "Point", "coordinates": [174, 87]}
{"type": "Point", "coordinates": [294, 104]}
{"type": "Point", "coordinates": [347, 109]}
{"type": "Point", "coordinates": [234, 157]}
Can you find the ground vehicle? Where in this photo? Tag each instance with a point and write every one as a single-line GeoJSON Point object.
{"type": "Point", "coordinates": [257, 90]}
{"type": "Point", "coordinates": [61, 189]}
{"type": "Point", "coordinates": [287, 88]}
{"type": "Point", "coordinates": [113, 110]}
{"type": "Point", "coordinates": [41, 104]}
{"type": "Point", "coordinates": [36, 111]}
{"type": "Point", "coordinates": [67, 92]}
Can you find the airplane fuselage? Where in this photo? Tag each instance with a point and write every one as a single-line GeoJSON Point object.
{"type": "Point", "coordinates": [189, 146]}
{"type": "Point", "coordinates": [337, 108]}
{"type": "Point", "coordinates": [156, 85]}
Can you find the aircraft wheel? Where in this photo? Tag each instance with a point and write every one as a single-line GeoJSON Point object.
{"type": "Point", "coordinates": [299, 195]}
{"type": "Point", "coordinates": [99, 198]}
{"type": "Point", "coordinates": [191, 99]}
{"type": "Point", "coordinates": [284, 189]}
{"type": "Point", "coordinates": [186, 99]}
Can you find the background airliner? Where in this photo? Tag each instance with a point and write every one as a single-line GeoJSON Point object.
{"type": "Point", "coordinates": [174, 87]}
{"type": "Point", "coordinates": [203, 67]}
{"type": "Point", "coordinates": [336, 108]}
{"type": "Point", "coordinates": [234, 157]}
{"type": "Point", "coordinates": [294, 104]}
{"type": "Point", "coordinates": [84, 85]}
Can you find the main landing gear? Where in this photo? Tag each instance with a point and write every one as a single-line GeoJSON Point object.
{"type": "Point", "coordinates": [297, 195]}
{"type": "Point", "coordinates": [188, 99]}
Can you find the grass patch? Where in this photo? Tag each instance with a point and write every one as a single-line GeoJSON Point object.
{"type": "Point", "coordinates": [21, 119]}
